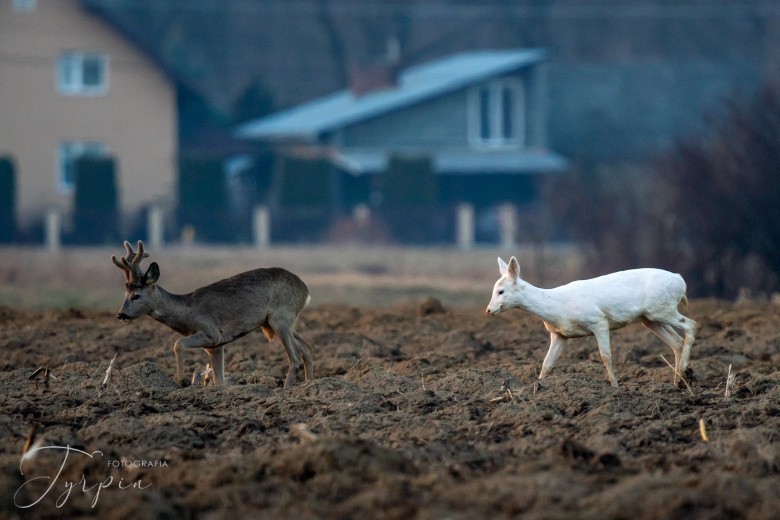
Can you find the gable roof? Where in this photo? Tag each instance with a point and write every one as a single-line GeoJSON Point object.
{"type": "Point", "coordinates": [415, 84]}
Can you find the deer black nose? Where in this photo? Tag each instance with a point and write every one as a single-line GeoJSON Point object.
{"type": "Point", "coordinates": [122, 316]}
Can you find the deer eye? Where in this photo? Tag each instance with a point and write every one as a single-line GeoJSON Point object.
{"type": "Point", "coordinates": [500, 292]}
{"type": "Point", "coordinates": [135, 297]}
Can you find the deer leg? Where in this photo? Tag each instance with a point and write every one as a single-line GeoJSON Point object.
{"type": "Point", "coordinates": [602, 337]}
{"type": "Point", "coordinates": [668, 335]}
{"type": "Point", "coordinates": [282, 324]}
{"type": "Point", "coordinates": [305, 350]}
{"type": "Point", "coordinates": [289, 345]}
{"type": "Point", "coordinates": [198, 340]}
{"type": "Point", "coordinates": [217, 362]}
{"type": "Point", "coordinates": [688, 327]}
{"type": "Point", "coordinates": [556, 347]}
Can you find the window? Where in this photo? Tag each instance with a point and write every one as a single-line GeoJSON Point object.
{"type": "Point", "coordinates": [68, 153]}
{"type": "Point", "coordinates": [497, 114]}
{"type": "Point", "coordinates": [82, 73]}
{"type": "Point", "coordinates": [24, 6]}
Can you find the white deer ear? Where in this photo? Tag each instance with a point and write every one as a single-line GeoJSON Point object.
{"type": "Point", "coordinates": [513, 270]}
{"type": "Point", "coordinates": [502, 266]}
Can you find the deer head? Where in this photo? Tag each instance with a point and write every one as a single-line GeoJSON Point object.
{"type": "Point", "coordinates": [506, 288]}
{"type": "Point", "coordinates": [139, 286]}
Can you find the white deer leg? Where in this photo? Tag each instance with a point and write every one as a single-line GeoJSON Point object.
{"type": "Point", "coordinates": [671, 338]}
{"type": "Point", "coordinates": [556, 347]}
{"type": "Point", "coordinates": [689, 328]}
{"type": "Point", "coordinates": [602, 337]}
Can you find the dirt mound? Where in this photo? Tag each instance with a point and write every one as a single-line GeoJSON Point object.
{"type": "Point", "coordinates": [417, 411]}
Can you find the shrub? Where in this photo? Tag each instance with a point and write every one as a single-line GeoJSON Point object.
{"type": "Point", "coordinates": [202, 192]}
{"type": "Point", "coordinates": [95, 200]}
{"type": "Point", "coordinates": [409, 182]}
{"type": "Point", "coordinates": [726, 198]}
{"type": "Point", "coordinates": [708, 209]}
{"type": "Point", "coordinates": [409, 199]}
{"type": "Point", "coordinates": [304, 182]}
{"type": "Point", "coordinates": [7, 199]}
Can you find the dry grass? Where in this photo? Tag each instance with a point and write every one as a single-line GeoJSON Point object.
{"type": "Point", "coordinates": [85, 277]}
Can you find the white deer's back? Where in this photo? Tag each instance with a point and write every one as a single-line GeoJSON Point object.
{"type": "Point", "coordinates": [622, 296]}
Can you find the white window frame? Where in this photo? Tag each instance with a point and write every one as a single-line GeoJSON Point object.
{"type": "Point", "coordinates": [24, 6]}
{"type": "Point", "coordinates": [497, 137]}
{"type": "Point", "coordinates": [70, 73]}
{"type": "Point", "coordinates": [67, 153]}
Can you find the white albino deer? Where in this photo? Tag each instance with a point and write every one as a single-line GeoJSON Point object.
{"type": "Point", "coordinates": [210, 317]}
{"type": "Point", "coordinates": [594, 307]}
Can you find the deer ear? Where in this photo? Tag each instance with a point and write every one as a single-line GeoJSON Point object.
{"type": "Point", "coordinates": [513, 270]}
{"type": "Point", "coordinates": [152, 274]}
{"type": "Point", "coordinates": [502, 266]}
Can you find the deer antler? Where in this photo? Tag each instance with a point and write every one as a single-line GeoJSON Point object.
{"type": "Point", "coordinates": [131, 263]}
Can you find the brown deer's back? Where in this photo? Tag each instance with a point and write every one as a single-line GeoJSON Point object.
{"type": "Point", "coordinates": [245, 300]}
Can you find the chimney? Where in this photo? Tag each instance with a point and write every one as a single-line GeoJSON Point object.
{"type": "Point", "coordinates": [377, 75]}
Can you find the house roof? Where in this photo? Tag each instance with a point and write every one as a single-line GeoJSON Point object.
{"type": "Point", "coordinates": [415, 84]}
{"type": "Point", "coordinates": [458, 162]}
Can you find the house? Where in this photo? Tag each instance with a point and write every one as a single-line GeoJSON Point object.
{"type": "Point", "coordinates": [72, 85]}
{"type": "Point", "coordinates": [479, 117]}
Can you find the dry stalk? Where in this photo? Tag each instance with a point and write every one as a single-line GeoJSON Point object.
{"type": "Point", "coordinates": [41, 374]}
{"type": "Point", "coordinates": [196, 377]}
{"type": "Point", "coordinates": [208, 375]}
{"type": "Point", "coordinates": [506, 393]}
{"type": "Point", "coordinates": [30, 439]}
{"type": "Point", "coordinates": [703, 431]}
{"type": "Point", "coordinates": [34, 375]}
{"type": "Point", "coordinates": [89, 381]}
{"type": "Point", "coordinates": [679, 374]}
{"type": "Point", "coordinates": [350, 368]}
{"type": "Point", "coordinates": [107, 377]}
{"type": "Point", "coordinates": [303, 433]}
{"type": "Point", "coordinates": [730, 380]}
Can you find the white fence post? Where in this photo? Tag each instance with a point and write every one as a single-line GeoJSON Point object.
{"type": "Point", "coordinates": [465, 226]}
{"type": "Point", "coordinates": [154, 227]}
{"type": "Point", "coordinates": [53, 230]}
{"type": "Point", "coordinates": [507, 218]}
{"type": "Point", "coordinates": [261, 225]}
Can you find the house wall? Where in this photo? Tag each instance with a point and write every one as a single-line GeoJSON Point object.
{"type": "Point", "coordinates": [443, 122]}
{"type": "Point", "coordinates": [136, 119]}
{"type": "Point", "coordinates": [440, 122]}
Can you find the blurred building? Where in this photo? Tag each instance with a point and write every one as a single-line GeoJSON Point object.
{"type": "Point", "coordinates": [72, 85]}
{"type": "Point", "coordinates": [626, 77]}
{"type": "Point", "coordinates": [479, 117]}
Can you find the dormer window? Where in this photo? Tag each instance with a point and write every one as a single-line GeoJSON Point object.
{"type": "Point", "coordinates": [82, 73]}
{"type": "Point", "coordinates": [497, 114]}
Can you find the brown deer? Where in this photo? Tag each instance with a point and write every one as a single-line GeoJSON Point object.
{"type": "Point", "coordinates": [210, 317]}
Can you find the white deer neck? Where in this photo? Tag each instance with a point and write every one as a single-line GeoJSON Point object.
{"type": "Point", "coordinates": [535, 300]}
